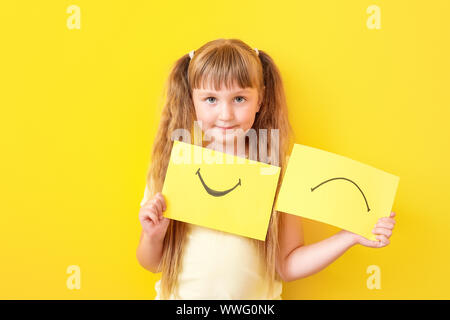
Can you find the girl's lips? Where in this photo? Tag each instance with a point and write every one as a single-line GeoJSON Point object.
{"type": "Point", "coordinates": [225, 128]}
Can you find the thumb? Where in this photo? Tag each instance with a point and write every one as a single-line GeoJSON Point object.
{"type": "Point", "coordinates": [371, 243]}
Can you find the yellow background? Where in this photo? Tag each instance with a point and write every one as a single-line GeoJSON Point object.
{"type": "Point", "coordinates": [80, 108]}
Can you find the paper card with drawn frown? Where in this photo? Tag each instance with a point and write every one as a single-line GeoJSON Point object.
{"type": "Point", "coordinates": [336, 190]}
{"type": "Point", "coordinates": [219, 191]}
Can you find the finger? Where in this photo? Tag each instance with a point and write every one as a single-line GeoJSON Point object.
{"type": "Point", "coordinates": [145, 218]}
{"type": "Point", "coordinates": [370, 243]}
{"type": "Point", "coordinates": [383, 224]}
{"type": "Point", "coordinates": [158, 205]}
{"type": "Point", "coordinates": [384, 240]}
{"type": "Point", "coordinates": [151, 207]}
{"type": "Point", "coordinates": [392, 214]}
{"type": "Point", "coordinates": [391, 220]}
{"type": "Point", "coordinates": [382, 231]}
{"type": "Point", "coordinates": [163, 201]}
{"type": "Point", "coordinates": [387, 220]}
{"type": "Point", "coordinates": [152, 215]}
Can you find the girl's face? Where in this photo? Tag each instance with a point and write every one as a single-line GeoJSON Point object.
{"type": "Point", "coordinates": [223, 112]}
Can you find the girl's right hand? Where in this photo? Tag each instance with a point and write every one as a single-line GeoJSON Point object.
{"type": "Point", "coordinates": [150, 215]}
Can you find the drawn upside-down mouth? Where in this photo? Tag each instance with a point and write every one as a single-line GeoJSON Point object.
{"type": "Point", "coordinates": [212, 192]}
{"type": "Point", "coordinates": [341, 178]}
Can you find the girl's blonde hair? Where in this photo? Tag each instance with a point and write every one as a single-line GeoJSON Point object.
{"type": "Point", "coordinates": [221, 61]}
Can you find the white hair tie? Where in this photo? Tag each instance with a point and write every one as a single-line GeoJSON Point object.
{"type": "Point", "coordinates": [257, 52]}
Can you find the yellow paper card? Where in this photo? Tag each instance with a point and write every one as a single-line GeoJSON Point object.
{"type": "Point", "coordinates": [219, 191]}
{"type": "Point", "coordinates": [336, 190]}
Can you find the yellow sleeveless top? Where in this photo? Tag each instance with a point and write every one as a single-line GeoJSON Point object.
{"type": "Point", "coordinates": [220, 265]}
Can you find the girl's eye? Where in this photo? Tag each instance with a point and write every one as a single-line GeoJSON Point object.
{"type": "Point", "coordinates": [207, 99]}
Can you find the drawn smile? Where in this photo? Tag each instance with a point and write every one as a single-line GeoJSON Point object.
{"type": "Point", "coordinates": [212, 192]}
{"type": "Point", "coordinates": [367, 205]}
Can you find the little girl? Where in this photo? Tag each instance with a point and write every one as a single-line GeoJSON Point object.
{"type": "Point", "coordinates": [228, 87]}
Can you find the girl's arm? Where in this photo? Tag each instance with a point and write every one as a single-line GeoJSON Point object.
{"type": "Point", "coordinates": [149, 253]}
{"type": "Point", "coordinates": [154, 227]}
{"type": "Point", "coordinates": [297, 261]}
{"type": "Point", "coordinates": [304, 261]}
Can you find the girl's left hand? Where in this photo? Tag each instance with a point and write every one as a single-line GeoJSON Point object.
{"type": "Point", "coordinates": [383, 230]}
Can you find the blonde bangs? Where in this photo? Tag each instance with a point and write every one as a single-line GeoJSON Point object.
{"type": "Point", "coordinates": [225, 65]}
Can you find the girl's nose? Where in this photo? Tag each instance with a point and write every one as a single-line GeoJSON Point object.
{"type": "Point", "coordinates": [226, 112]}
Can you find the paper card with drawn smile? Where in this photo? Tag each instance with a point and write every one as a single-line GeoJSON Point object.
{"type": "Point", "coordinates": [336, 190]}
{"type": "Point", "coordinates": [219, 191]}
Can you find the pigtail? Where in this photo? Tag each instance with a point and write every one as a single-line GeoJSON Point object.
{"type": "Point", "coordinates": [177, 113]}
{"type": "Point", "coordinates": [273, 114]}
